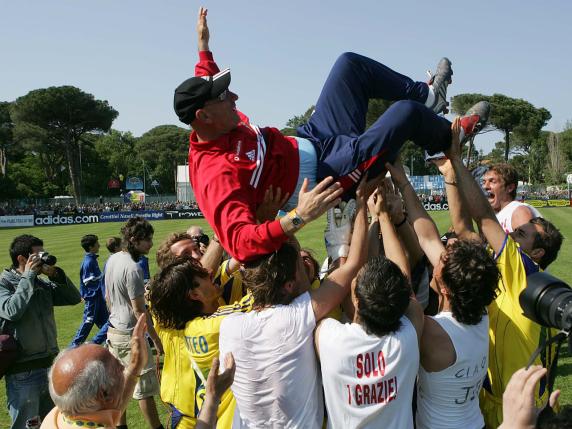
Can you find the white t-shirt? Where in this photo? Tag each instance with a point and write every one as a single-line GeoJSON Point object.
{"type": "Point", "coordinates": [449, 399]}
{"type": "Point", "coordinates": [277, 382]}
{"type": "Point", "coordinates": [505, 215]}
{"type": "Point", "coordinates": [368, 380]}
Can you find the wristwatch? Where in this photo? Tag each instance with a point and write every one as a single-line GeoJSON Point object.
{"type": "Point", "coordinates": [297, 221]}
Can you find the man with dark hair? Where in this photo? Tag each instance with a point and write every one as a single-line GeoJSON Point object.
{"type": "Point", "coordinates": [465, 279]}
{"type": "Point", "coordinates": [27, 310]}
{"type": "Point", "coordinates": [369, 366]}
{"type": "Point", "coordinates": [500, 182]}
{"type": "Point", "coordinates": [95, 310]}
{"type": "Point", "coordinates": [125, 291]}
{"type": "Point", "coordinates": [185, 305]}
{"type": "Point", "coordinates": [277, 381]}
{"type": "Point", "coordinates": [232, 162]}
{"type": "Point", "coordinates": [530, 247]}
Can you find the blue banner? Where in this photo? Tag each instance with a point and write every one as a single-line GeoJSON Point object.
{"type": "Point", "coordinates": [124, 216]}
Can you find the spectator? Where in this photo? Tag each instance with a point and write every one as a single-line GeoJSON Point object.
{"type": "Point", "coordinates": [95, 310]}
{"type": "Point", "coordinates": [499, 183]}
{"type": "Point", "coordinates": [113, 244]}
{"type": "Point", "coordinates": [27, 307]}
{"type": "Point", "coordinates": [90, 387]}
{"type": "Point", "coordinates": [125, 297]}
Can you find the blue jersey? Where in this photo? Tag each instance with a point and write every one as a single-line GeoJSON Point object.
{"type": "Point", "coordinates": [89, 276]}
{"type": "Point", "coordinates": [143, 262]}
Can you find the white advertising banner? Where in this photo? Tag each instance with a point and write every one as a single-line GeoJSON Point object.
{"type": "Point", "coordinates": [16, 221]}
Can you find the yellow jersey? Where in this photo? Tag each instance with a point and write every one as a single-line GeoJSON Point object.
{"type": "Point", "coordinates": [512, 336]}
{"type": "Point", "coordinates": [189, 354]}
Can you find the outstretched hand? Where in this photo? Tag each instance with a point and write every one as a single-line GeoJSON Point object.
{"type": "Point", "coordinates": [203, 30]}
{"type": "Point", "coordinates": [325, 195]}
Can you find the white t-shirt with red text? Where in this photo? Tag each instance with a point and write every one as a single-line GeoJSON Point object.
{"type": "Point", "coordinates": [368, 380]}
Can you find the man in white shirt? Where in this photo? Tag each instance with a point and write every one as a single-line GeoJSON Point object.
{"type": "Point", "coordinates": [369, 366]}
{"type": "Point", "coordinates": [277, 382]}
{"type": "Point", "coordinates": [500, 183]}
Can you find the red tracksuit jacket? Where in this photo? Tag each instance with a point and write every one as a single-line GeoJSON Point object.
{"type": "Point", "coordinates": [229, 176]}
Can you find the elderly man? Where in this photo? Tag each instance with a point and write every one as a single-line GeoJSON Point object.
{"type": "Point", "coordinates": [90, 387]}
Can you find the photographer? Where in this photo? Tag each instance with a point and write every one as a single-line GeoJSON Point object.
{"type": "Point", "coordinates": [26, 307]}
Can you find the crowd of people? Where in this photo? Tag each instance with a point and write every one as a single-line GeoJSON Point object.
{"type": "Point", "coordinates": [94, 208]}
{"type": "Point", "coordinates": [399, 327]}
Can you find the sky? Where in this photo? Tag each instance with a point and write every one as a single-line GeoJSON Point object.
{"type": "Point", "coordinates": [134, 53]}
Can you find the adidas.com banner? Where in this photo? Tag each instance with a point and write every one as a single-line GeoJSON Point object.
{"type": "Point", "coordinates": [72, 219]}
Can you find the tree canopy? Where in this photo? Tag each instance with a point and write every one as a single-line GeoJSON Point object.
{"type": "Point", "coordinates": [510, 116]}
{"type": "Point", "coordinates": [57, 119]}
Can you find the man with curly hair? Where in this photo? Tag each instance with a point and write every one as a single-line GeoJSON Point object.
{"type": "Point", "coordinates": [125, 290]}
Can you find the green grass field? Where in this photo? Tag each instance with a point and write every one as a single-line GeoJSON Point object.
{"type": "Point", "coordinates": [63, 241]}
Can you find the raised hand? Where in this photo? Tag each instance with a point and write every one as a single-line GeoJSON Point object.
{"type": "Point", "coordinates": [203, 30]}
{"type": "Point", "coordinates": [325, 195]}
{"type": "Point", "coordinates": [454, 151]}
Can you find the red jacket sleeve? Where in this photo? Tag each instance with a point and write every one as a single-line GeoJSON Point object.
{"type": "Point", "coordinates": [206, 65]}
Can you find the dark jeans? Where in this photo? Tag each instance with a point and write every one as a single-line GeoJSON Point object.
{"type": "Point", "coordinates": [28, 396]}
{"type": "Point", "coordinates": [344, 147]}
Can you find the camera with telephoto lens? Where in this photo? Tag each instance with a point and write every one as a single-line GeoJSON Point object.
{"type": "Point", "coordinates": [201, 239]}
{"type": "Point", "coordinates": [47, 259]}
{"type": "Point", "coordinates": [548, 301]}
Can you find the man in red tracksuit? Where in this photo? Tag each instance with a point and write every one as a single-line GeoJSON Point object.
{"type": "Point", "coordinates": [232, 163]}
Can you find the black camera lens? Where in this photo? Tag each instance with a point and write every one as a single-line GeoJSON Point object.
{"type": "Point", "coordinates": [548, 301]}
{"type": "Point", "coordinates": [204, 239]}
{"type": "Point", "coordinates": [47, 259]}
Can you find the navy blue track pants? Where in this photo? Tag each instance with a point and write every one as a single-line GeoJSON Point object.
{"type": "Point", "coordinates": [345, 149]}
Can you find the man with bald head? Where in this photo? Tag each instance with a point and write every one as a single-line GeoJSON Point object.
{"type": "Point", "coordinates": [90, 387]}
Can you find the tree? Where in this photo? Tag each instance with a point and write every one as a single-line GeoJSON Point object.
{"type": "Point", "coordinates": [163, 148]}
{"type": "Point", "coordinates": [6, 135]}
{"type": "Point", "coordinates": [508, 115]}
{"type": "Point", "coordinates": [63, 116]}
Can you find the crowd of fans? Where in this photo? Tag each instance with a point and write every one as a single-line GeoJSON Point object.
{"type": "Point", "coordinates": [90, 208]}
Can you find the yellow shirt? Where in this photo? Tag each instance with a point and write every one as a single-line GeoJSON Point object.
{"type": "Point", "coordinates": [230, 284]}
{"type": "Point", "coordinates": [182, 383]}
{"type": "Point", "coordinates": [512, 336]}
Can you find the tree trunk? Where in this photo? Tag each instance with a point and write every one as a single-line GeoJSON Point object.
{"type": "Point", "coordinates": [506, 144]}
{"type": "Point", "coordinates": [3, 161]}
{"type": "Point", "coordinates": [73, 168]}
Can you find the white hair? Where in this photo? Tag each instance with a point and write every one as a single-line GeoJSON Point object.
{"type": "Point", "coordinates": [82, 396]}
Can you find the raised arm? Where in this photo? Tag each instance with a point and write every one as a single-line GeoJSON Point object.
{"type": "Point", "coordinates": [458, 210]}
{"type": "Point", "coordinates": [479, 208]}
{"type": "Point", "coordinates": [391, 243]}
{"type": "Point", "coordinates": [337, 285]}
{"type": "Point", "coordinates": [426, 230]}
{"type": "Point", "coordinates": [206, 65]}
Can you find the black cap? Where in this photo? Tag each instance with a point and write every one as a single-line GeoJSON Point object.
{"type": "Point", "coordinates": [192, 94]}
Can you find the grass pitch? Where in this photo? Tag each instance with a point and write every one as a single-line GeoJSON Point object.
{"type": "Point", "coordinates": [64, 242]}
